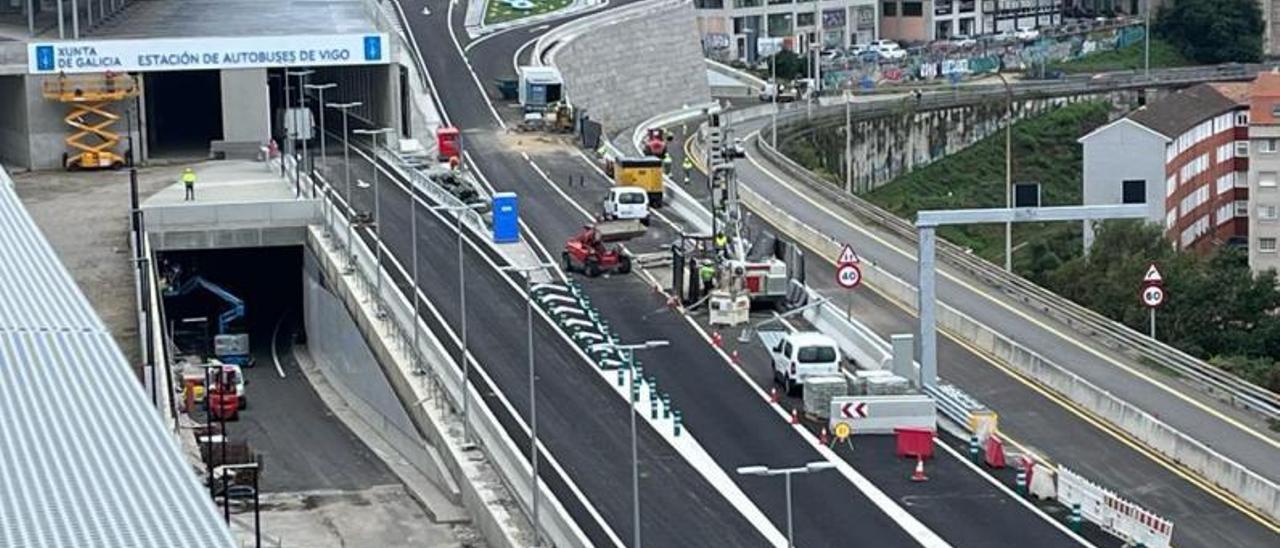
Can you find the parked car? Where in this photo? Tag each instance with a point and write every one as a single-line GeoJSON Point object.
{"type": "Point", "coordinates": [627, 202]}
{"type": "Point", "coordinates": [799, 355]}
{"type": "Point", "coordinates": [891, 51]}
{"type": "Point", "coordinates": [1026, 34]}
{"type": "Point", "coordinates": [963, 41]}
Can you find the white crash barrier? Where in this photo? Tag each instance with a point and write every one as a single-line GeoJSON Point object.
{"type": "Point", "coordinates": [1113, 514]}
{"type": "Point", "coordinates": [881, 414]}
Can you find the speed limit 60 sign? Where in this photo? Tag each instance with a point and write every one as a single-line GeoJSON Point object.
{"type": "Point", "coordinates": [1152, 296]}
{"type": "Point", "coordinates": [849, 275]}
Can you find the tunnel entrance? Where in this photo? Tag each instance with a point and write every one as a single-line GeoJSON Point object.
{"type": "Point", "coordinates": [184, 112]}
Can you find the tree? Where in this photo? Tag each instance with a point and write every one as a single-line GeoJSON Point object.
{"type": "Point", "coordinates": [790, 65]}
{"type": "Point", "coordinates": [1213, 31]}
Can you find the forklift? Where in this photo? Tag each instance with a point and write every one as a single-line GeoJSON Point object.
{"type": "Point", "coordinates": [587, 250]}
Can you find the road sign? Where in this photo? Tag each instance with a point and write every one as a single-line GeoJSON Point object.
{"type": "Point", "coordinates": [847, 256]}
{"type": "Point", "coordinates": [1152, 277]}
{"type": "Point", "coordinates": [842, 430]}
{"type": "Point", "coordinates": [848, 276]}
{"type": "Point", "coordinates": [1152, 296]}
{"type": "Point", "coordinates": [854, 410]}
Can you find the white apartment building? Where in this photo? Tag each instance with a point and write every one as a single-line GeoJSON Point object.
{"type": "Point", "coordinates": [1264, 173]}
{"type": "Point", "coordinates": [730, 28]}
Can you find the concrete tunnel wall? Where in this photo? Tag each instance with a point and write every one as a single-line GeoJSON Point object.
{"type": "Point", "coordinates": [624, 72]}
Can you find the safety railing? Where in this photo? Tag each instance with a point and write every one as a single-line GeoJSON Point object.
{"type": "Point", "coordinates": [440, 367]}
{"type": "Point", "coordinates": [1112, 334]}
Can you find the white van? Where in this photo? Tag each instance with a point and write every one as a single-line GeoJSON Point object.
{"type": "Point", "coordinates": [801, 354]}
{"type": "Point", "coordinates": [627, 202]}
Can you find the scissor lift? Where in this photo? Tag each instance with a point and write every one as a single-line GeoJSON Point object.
{"type": "Point", "coordinates": [92, 144]}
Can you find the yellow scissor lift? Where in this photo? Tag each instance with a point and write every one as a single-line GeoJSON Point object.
{"type": "Point", "coordinates": [92, 144]}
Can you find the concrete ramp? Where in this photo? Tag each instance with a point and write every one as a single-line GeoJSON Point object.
{"type": "Point", "coordinates": [237, 204]}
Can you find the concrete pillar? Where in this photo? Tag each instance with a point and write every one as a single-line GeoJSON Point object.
{"type": "Point", "coordinates": [391, 114]}
{"type": "Point", "coordinates": [246, 112]}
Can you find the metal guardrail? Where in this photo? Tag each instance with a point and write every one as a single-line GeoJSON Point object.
{"type": "Point", "coordinates": [1110, 333]}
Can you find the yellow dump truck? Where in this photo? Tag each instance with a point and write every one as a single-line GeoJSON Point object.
{"type": "Point", "coordinates": [645, 173]}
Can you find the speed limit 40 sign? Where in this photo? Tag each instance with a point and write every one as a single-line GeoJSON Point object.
{"type": "Point", "coordinates": [849, 276]}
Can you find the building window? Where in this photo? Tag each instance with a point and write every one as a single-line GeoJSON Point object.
{"type": "Point", "coordinates": [779, 25]}
{"type": "Point", "coordinates": [1267, 245]}
{"type": "Point", "coordinates": [1242, 149]}
{"type": "Point", "coordinates": [1267, 179]}
{"type": "Point", "coordinates": [1242, 208]}
{"type": "Point", "coordinates": [1242, 119]}
{"type": "Point", "coordinates": [1225, 183]}
{"type": "Point", "coordinates": [889, 9]}
{"type": "Point", "coordinates": [1170, 218]}
{"type": "Point", "coordinates": [709, 4]}
{"type": "Point", "coordinates": [1267, 212]}
{"type": "Point", "coordinates": [1225, 152]}
{"type": "Point", "coordinates": [1170, 185]}
{"type": "Point", "coordinates": [1225, 214]}
{"type": "Point", "coordinates": [913, 9]}
{"type": "Point", "coordinates": [746, 3]}
{"type": "Point", "coordinates": [804, 19]}
{"type": "Point", "coordinates": [1134, 192]}
{"type": "Point", "coordinates": [776, 2]}
{"type": "Point", "coordinates": [1266, 145]}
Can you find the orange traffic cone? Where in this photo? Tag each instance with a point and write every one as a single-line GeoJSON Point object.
{"type": "Point", "coordinates": [795, 417]}
{"type": "Point", "coordinates": [715, 339]}
{"type": "Point", "coordinates": [918, 475]}
{"type": "Point", "coordinates": [773, 395]}
{"type": "Point", "coordinates": [823, 438]}
{"type": "Point", "coordinates": [735, 358]}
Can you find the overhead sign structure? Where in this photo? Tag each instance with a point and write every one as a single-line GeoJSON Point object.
{"type": "Point", "coordinates": [206, 53]}
{"type": "Point", "coordinates": [1152, 296]}
{"type": "Point", "coordinates": [849, 276]}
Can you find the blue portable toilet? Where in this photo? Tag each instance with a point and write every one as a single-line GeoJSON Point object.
{"type": "Point", "coordinates": [506, 218]}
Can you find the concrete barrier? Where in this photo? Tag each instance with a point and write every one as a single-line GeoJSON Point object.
{"type": "Point", "coordinates": [884, 413]}
{"type": "Point", "coordinates": [1250, 487]}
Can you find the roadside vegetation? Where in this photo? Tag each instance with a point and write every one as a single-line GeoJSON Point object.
{"type": "Point", "coordinates": [1213, 31]}
{"type": "Point", "coordinates": [1216, 309]}
{"type": "Point", "coordinates": [1163, 55]}
{"type": "Point", "coordinates": [501, 12]}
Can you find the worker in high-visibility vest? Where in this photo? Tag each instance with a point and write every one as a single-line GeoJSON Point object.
{"type": "Point", "coordinates": [707, 272]}
{"type": "Point", "coordinates": [688, 168]}
{"type": "Point", "coordinates": [189, 183]}
{"type": "Point", "coordinates": [666, 164]}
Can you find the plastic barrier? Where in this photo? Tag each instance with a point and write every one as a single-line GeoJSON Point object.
{"type": "Point", "coordinates": [1115, 515]}
{"type": "Point", "coordinates": [914, 442]}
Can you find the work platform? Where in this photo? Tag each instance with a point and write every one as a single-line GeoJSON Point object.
{"type": "Point", "coordinates": [237, 204]}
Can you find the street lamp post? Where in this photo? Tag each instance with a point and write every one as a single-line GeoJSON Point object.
{"type": "Point", "coordinates": [630, 350]}
{"type": "Point", "coordinates": [323, 156]}
{"type": "Point", "coordinates": [848, 140]}
{"type": "Point", "coordinates": [346, 161]}
{"type": "Point", "coordinates": [808, 468]}
{"type": "Point", "coordinates": [533, 399]}
{"type": "Point", "coordinates": [1146, 40]}
{"type": "Point", "coordinates": [1008, 171]}
{"type": "Point", "coordinates": [297, 126]}
{"type": "Point", "coordinates": [377, 214]}
{"type": "Point", "coordinates": [460, 211]}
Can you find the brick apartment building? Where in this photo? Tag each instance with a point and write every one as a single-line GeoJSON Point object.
{"type": "Point", "coordinates": [1186, 156]}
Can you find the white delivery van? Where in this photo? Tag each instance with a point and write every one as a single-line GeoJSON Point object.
{"type": "Point", "coordinates": [627, 202]}
{"type": "Point", "coordinates": [801, 354]}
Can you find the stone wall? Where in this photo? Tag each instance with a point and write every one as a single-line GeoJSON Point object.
{"type": "Point", "coordinates": [621, 72]}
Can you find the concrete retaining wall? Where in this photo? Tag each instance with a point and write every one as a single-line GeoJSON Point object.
{"type": "Point", "coordinates": [622, 71]}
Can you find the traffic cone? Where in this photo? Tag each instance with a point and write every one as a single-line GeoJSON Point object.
{"type": "Point", "coordinates": [735, 358]}
{"type": "Point", "coordinates": [795, 416]}
{"type": "Point", "coordinates": [773, 395]}
{"type": "Point", "coordinates": [823, 438]}
{"type": "Point", "coordinates": [918, 475]}
{"type": "Point", "coordinates": [716, 339]}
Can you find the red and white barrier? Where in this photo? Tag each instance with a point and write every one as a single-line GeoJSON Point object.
{"type": "Point", "coordinates": [1114, 514]}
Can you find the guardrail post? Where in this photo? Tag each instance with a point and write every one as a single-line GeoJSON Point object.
{"type": "Point", "coordinates": [1074, 520]}
{"type": "Point", "coordinates": [973, 448]}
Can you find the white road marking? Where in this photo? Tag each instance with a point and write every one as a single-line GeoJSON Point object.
{"type": "Point", "coordinates": [275, 356]}
{"type": "Point", "coordinates": [1026, 317]}
{"type": "Point", "coordinates": [461, 54]}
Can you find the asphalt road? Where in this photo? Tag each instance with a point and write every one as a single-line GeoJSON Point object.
{"type": "Point", "coordinates": [734, 424]}
{"type": "Point", "coordinates": [1029, 416]}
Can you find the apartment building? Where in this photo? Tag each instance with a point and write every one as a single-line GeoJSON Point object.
{"type": "Point", "coordinates": [1196, 141]}
{"type": "Point", "coordinates": [1008, 15]}
{"type": "Point", "coordinates": [1264, 171]}
{"type": "Point", "coordinates": [732, 29]}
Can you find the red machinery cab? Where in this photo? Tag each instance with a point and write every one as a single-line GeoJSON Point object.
{"type": "Point", "coordinates": [655, 142]}
{"type": "Point", "coordinates": [448, 142]}
{"type": "Point", "coordinates": [222, 399]}
{"type": "Point", "coordinates": [587, 252]}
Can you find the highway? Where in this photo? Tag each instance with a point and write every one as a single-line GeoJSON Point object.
{"type": "Point", "coordinates": [1034, 417]}
{"type": "Point", "coordinates": [728, 416]}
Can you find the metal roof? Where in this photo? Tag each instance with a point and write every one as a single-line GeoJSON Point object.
{"type": "Point", "coordinates": [1180, 111]}
{"type": "Point", "coordinates": [85, 460]}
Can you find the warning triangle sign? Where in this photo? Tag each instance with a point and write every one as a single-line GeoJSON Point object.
{"type": "Point", "coordinates": [847, 256]}
{"type": "Point", "coordinates": [1153, 275]}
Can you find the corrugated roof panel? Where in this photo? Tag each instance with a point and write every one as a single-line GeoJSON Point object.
{"type": "Point", "coordinates": [85, 460]}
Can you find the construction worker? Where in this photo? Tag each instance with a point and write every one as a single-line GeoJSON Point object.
{"type": "Point", "coordinates": [189, 183]}
{"type": "Point", "coordinates": [707, 272]}
{"type": "Point", "coordinates": [666, 164]}
{"type": "Point", "coordinates": [688, 168]}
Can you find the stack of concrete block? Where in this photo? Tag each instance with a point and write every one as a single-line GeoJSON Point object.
{"type": "Point", "coordinates": [819, 390]}
{"type": "Point", "coordinates": [858, 384]}
{"type": "Point", "coordinates": [888, 385]}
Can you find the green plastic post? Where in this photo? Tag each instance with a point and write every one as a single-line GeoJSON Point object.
{"type": "Point", "coordinates": [666, 406]}
{"type": "Point", "coordinates": [622, 376]}
{"type": "Point", "coordinates": [1075, 517]}
{"type": "Point", "coordinates": [679, 420]}
{"type": "Point", "coordinates": [973, 448]}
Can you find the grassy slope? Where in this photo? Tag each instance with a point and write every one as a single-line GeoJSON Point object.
{"type": "Point", "coordinates": [1044, 150]}
{"type": "Point", "coordinates": [1162, 55]}
{"type": "Point", "coordinates": [499, 12]}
